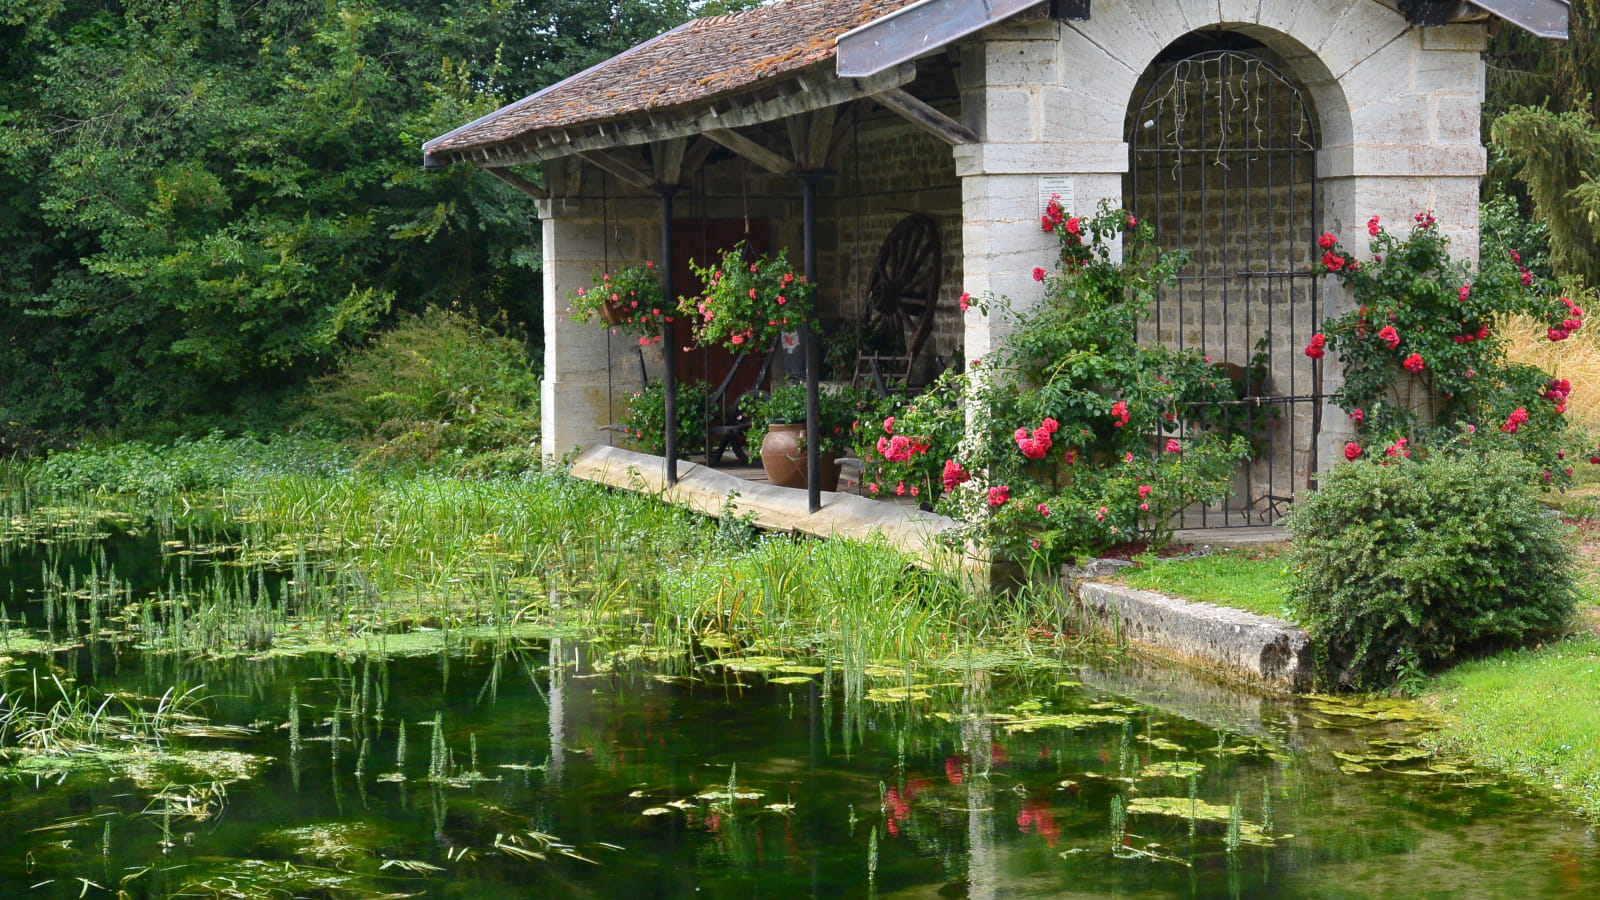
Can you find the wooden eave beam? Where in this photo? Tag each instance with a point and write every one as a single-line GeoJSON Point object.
{"type": "Point", "coordinates": [516, 181]}
{"type": "Point", "coordinates": [620, 168]}
{"type": "Point", "coordinates": [773, 162]}
{"type": "Point", "coordinates": [927, 118]}
{"type": "Point", "coordinates": [740, 111]}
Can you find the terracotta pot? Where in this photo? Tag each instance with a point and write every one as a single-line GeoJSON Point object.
{"type": "Point", "coordinates": [612, 314]}
{"type": "Point", "coordinates": [785, 461]}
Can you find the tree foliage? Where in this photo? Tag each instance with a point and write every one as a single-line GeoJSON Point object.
{"type": "Point", "coordinates": [203, 203]}
{"type": "Point", "coordinates": [1543, 95]}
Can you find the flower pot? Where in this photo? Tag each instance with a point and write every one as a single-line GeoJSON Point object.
{"type": "Point", "coordinates": [613, 314]}
{"type": "Point", "coordinates": [784, 458]}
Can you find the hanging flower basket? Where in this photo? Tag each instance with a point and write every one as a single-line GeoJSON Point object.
{"type": "Point", "coordinates": [626, 300]}
{"type": "Point", "coordinates": [748, 304]}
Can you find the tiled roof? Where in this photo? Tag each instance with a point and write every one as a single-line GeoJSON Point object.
{"type": "Point", "coordinates": [694, 63]}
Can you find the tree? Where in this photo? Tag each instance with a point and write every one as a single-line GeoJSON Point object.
{"type": "Point", "coordinates": [1543, 95]}
{"type": "Point", "coordinates": [205, 202]}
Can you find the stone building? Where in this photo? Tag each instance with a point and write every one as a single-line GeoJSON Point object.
{"type": "Point", "coordinates": [1241, 128]}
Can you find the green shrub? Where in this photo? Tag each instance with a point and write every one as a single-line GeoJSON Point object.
{"type": "Point", "coordinates": [1404, 566]}
{"type": "Point", "coordinates": [440, 389]}
{"type": "Point", "coordinates": [209, 463]}
{"type": "Point", "coordinates": [645, 425]}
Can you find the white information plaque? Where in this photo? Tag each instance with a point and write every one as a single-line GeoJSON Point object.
{"type": "Point", "coordinates": [1053, 185]}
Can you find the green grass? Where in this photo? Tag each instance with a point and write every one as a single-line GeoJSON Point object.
{"type": "Point", "coordinates": [369, 551]}
{"type": "Point", "coordinates": [1247, 578]}
{"type": "Point", "coordinates": [1532, 713]}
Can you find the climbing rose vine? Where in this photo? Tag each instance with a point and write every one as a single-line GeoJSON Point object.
{"type": "Point", "coordinates": [1422, 359]}
{"type": "Point", "coordinates": [1082, 438]}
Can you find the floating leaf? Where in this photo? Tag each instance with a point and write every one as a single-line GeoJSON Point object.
{"type": "Point", "coordinates": [736, 795]}
{"type": "Point", "coordinates": [1184, 808]}
{"type": "Point", "coordinates": [1174, 769]}
{"type": "Point", "coordinates": [657, 811]}
{"type": "Point", "coordinates": [753, 663]}
{"type": "Point", "coordinates": [1073, 721]}
{"type": "Point", "coordinates": [897, 694]}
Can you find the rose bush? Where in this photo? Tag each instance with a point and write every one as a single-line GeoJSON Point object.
{"type": "Point", "coordinates": [1422, 357]}
{"type": "Point", "coordinates": [1081, 438]}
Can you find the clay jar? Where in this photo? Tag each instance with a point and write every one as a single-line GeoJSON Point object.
{"type": "Point", "coordinates": [785, 460]}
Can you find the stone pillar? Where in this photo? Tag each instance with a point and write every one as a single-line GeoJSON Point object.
{"type": "Point", "coordinates": [589, 372]}
{"type": "Point", "coordinates": [1041, 134]}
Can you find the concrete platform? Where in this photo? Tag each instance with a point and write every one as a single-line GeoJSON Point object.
{"type": "Point", "coordinates": [707, 490]}
{"type": "Point", "coordinates": [1231, 537]}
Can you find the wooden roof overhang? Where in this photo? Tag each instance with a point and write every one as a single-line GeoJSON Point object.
{"type": "Point", "coordinates": [702, 80]}
{"type": "Point", "coordinates": [808, 90]}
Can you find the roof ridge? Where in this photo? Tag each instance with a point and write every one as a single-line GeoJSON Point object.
{"type": "Point", "coordinates": [702, 59]}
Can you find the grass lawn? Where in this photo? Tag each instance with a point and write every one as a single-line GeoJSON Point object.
{"type": "Point", "coordinates": [1247, 578]}
{"type": "Point", "coordinates": [1534, 713]}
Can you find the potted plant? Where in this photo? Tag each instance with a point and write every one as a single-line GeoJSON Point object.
{"type": "Point", "coordinates": [778, 422]}
{"type": "Point", "coordinates": [748, 305]}
{"type": "Point", "coordinates": [628, 299]}
{"type": "Point", "coordinates": [645, 424]}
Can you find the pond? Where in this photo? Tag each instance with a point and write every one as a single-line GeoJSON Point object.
{"type": "Point", "coordinates": [547, 763]}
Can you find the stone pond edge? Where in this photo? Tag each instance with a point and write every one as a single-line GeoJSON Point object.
{"type": "Point", "coordinates": [1239, 645]}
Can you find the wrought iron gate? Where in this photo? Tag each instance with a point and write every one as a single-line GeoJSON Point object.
{"type": "Point", "coordinates": [1224, 164]}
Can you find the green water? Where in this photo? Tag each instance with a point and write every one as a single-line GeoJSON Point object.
{"type": "Point", "coordinates": [564, 768]}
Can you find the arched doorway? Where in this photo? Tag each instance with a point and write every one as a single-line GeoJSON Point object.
{"type": "Point", "coordinates": [1223, 146]}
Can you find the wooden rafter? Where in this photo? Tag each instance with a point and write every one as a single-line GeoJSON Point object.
{"type": "Point", "coordinates": [925, 117]}
{"type": "Point", "coordinates": [624, 170]}
{"type": "Point", "coordinates": [773, 162]}
{"type": "Point", "coordinates": [516, 181]}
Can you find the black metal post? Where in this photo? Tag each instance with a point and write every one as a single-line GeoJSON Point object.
{"type": "Point", "coordinates": [808, 183]}
{"type": "Point", "coordinates": [669, 362]}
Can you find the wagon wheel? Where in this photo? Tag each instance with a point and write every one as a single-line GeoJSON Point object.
{"type": "Point", "coordinates": [903, 291]}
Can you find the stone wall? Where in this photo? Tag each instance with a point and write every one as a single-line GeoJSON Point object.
{"type": "Point", "coordinates": [887, 170]}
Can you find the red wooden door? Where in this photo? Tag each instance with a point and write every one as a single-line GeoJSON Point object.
{"type": "Point", "coordinates": [704, 241]}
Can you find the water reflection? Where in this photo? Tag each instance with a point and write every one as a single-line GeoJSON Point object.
{"type": "Point", "coordinates": [556, 768]}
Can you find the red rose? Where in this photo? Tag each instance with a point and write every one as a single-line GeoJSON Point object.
{"type": "Point", "coordinates": [1351, 451]}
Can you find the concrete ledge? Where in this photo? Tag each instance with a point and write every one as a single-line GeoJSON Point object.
{"type": "Point", "coordinates": [706, 490]}
{"type": "Point", "coordinates": [1241, 645]}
